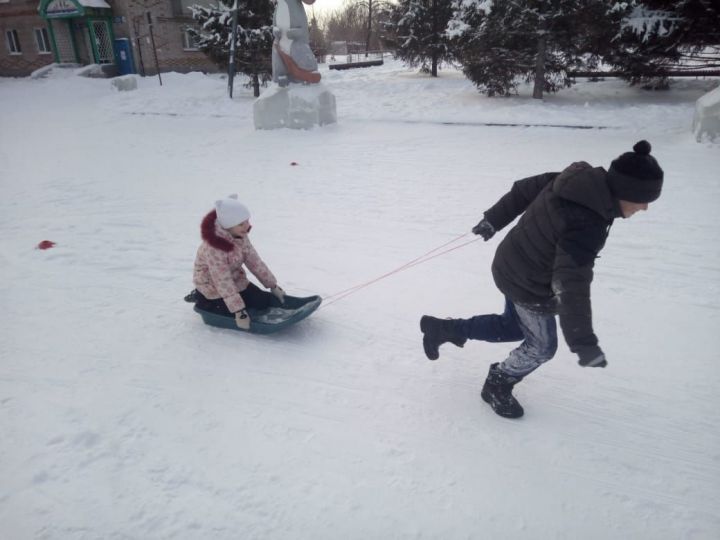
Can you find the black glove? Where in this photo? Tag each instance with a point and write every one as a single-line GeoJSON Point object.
{"type": "Point", "coordinates": [591, 356]}
{"type": "Point", "coordinates": [484, 229]}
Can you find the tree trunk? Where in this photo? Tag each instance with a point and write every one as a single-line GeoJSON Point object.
{"type": "Point", "coordinates": [433, 70]}
{"type": "Point", "coordinates": [540, 61]}
{"type": "Point", "coordinates": [256, 85]}
{"type": "Point", "coordinates": [369, 33]}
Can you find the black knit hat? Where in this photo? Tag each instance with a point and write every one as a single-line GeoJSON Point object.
{"type": "Point", "coordinates": [636, 176]}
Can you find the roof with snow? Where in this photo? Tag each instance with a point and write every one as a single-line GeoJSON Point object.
{"type": "Point", "coordinates": [51, 9]}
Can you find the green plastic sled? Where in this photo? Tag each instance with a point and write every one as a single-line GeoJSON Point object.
{"type": "Point", "coordinates": [267, 321]}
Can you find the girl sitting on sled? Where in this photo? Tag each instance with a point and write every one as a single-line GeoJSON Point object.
{"type": "Point", "coordinates": [221, 284]}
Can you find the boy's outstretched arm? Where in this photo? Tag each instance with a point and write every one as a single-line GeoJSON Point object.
{"type": "Point", "coordinates": [516, 201]}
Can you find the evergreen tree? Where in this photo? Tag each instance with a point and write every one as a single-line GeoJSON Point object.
{"type": "Point", "coordinates": [655, 36]}
{"type": "Point", "coordinates": [500, 43]}
{"type": "Point", "coordinates": [253, 46]}
{"type": "Point", "coordinates": [420, 33]}
{"type": "Point", "coordinates": [318, 44]}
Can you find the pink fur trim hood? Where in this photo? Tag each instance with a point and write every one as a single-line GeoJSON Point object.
{"type": "Point", "coordinates": [208, 231]}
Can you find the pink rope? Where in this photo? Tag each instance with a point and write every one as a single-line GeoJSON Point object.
{"type": "Point", "coordinates": [418, 260]}
{"type": "Point", "coordinates": [400, 268]}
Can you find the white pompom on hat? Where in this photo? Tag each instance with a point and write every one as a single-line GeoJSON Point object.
{"type": "Point", "coordinates": [231, 212]}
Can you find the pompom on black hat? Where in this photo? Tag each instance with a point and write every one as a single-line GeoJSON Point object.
{"type": "Point", "coordinates": [636, 176]}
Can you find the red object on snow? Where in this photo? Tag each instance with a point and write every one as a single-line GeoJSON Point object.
{"type": "Point", "coordinates": [294, 163]}
{"type": "Point", "coordinates": [45, 244]}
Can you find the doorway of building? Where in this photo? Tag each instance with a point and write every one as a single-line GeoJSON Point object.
{"type": "Point", "coordinates": [63, 41]}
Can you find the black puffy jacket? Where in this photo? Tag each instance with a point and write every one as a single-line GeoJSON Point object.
{"type": "Point", "coordinates": [546, 260]}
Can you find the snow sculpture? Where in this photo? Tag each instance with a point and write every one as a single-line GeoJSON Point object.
{"type": "Point", "coordinates": [296, 106]}
{"type": "Point", "coordinates": [707, 116]}
{"type": "Point", "coordinates": [292, 58]}
{"type": "Point", "coordinates": [297, 100]}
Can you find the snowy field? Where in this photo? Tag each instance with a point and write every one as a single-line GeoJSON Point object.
{"type": "Point", "coordinates": [124, 417]}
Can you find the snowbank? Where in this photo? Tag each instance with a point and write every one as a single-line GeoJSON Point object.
{"type": "Point", "coordinates": [123, 416]}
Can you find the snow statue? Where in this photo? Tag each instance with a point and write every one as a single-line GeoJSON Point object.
{"type": "Point", "coordinates": [297, 99]}
{"type": "Point", "coordinates": [292, 58]}
{"type": "Point", "coordinates": [706, 123]}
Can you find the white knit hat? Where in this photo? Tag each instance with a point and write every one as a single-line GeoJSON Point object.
{"type": "Point", "coordinates": [231, 212]}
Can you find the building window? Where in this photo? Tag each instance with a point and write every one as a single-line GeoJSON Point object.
{"type": "Point", "coordinates": [13, 42]}
{"type": "Point", "coordinates": [43, 40]}
{"type": "Point", "coordinates": [190, 42]}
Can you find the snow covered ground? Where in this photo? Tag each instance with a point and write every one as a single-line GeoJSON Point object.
{"type": "Point", "coordinates": [123, 416]}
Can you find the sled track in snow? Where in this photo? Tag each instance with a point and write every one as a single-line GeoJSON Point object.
{"type": "Point", "coordinates": [174, 114]}
{"type": "Point", "coordinates": [398, 121]}
{"type": "Point", "coordinates": [481, 124]}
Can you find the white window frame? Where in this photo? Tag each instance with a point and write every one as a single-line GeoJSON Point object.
{"type": "Point", "coordinates": [12, 40]}
{"type": "Point", "coordinates": [45, 47]}
{"type": "Point", "coordinates": [188, 42]}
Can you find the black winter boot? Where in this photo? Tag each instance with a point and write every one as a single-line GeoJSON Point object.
{"type": "Point", "coordinates": [438, 331]}
{"type": "Point", "coordinates": [497, 391]}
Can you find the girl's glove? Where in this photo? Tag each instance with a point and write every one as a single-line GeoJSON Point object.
{"type": "Point", "coordinates": [242, 319]}
{"type": "Point", "coordinates": [484, 229]}
{"type": "Point", "coordinates": [278, 293]}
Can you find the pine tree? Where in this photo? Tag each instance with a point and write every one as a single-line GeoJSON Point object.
{"type": "Point", "coordinates": [656, 36]}
{"type": "Point", "coordinates": [500, 43]}
{"type": "Point", "coordinates": [420, 29]}
{"type": "Point", "coordinates": [318, 43]}
{"type": "Point", "coordinates": [253, 52]}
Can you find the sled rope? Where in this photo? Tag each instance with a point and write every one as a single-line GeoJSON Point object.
{"type": "Point", "coordinates": [406, 265]}
{"type": "Point", "coordinates": [415, 262]}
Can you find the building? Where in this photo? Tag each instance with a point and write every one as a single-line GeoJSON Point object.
{"type": "Point", "coordinates": [116, 34]}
